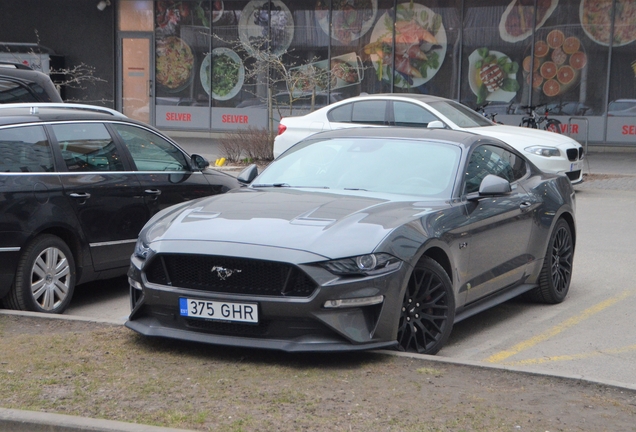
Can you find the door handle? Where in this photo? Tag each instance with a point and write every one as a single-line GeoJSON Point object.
{"type": "Point", "coordinates": [83, 195]}
{"type": "Point", "coordinates": [525, 206]}
{"type": "Point", "coordinates": [156, 192]}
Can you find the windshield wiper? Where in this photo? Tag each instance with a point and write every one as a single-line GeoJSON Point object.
{"type": "Point", "coordinates": [272, 185]}
{"type": "Point", "coordinates": [287, 185]}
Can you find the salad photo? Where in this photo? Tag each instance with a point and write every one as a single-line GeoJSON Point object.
{"type": "Point", "coordinates": [224, 70]}
{"type": "Point", "coordinates": [492, 76]}
{"type": "Point", "coordinates": [420, 44]}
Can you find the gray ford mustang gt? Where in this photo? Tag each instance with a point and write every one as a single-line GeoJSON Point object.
{"type": "Point", "coordinates": [357, 239]}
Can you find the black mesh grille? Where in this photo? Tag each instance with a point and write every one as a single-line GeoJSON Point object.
{"type": "Point", "coordinates": [573, 154]}
{"type": "Point", "coordinates": [581, 153]}
{"type": "Point", "coordinates": [574, 175]}
{"type": "Point", "coordinates": [230, 275]}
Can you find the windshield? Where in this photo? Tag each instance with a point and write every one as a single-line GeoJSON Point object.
{"type": "Point", "coordinates": [460, 114]}
{"type": "Point", "coordinates": [387, 165]}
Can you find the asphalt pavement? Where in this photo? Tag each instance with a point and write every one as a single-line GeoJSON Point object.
{"type": "Point", "coordinates": [610, 169]}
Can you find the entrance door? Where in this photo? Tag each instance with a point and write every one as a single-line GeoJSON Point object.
{"type": "Point", "coordinates": [137, 100]}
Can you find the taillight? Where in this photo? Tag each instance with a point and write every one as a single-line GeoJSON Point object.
{"type": "Point", "coordinates": [281, 128]}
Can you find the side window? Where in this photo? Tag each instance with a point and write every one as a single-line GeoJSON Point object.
{"type": "Point", "coordinates": [25, 149]}
{"type": "Point", "coordinates": [369, 112]}
{"type": "Point", "coordinates": [341, 114]}
{"type": "Point", "coordinates": [12, 92]}
{"type": "Point", "coordinates": [411, 115]}
{"type": "Point", "coordinates": [488, 159]}
{"type": "Point", "coordinates": [149, 151]}
{"type": "Point", "coordinates": [87, 147]}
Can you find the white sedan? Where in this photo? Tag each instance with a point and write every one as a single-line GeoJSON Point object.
{"type": "Point", "coordinates": [549, 151]}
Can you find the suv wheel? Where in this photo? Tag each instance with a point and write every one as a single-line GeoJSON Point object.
{"type": "Point", "coordinates": [45, 278]}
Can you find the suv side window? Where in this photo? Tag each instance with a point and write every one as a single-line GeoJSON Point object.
{"type": "Point", "coordinates": [369, 112]}
{"type": "Point", "coordinates": [411, 115]}
{"type": "Point", "coordinates": [13, 92]}
{"type": "Point", "coordinates": [489, 159]}
{"type": "Point", "coordinates": [25, 149]}
{"type": "Point", "coordinates": [150, 152]}
{"type": "Point", "coordinates": [87, 147]}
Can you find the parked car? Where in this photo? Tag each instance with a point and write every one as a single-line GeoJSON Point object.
{"type": "Point", "coordinates": [77, 184]}
{"type": "Point", "coordinates": [357, 239]}
{"type": "Point", "coordinates": [20, 83]}
{"type": "Point", "coordinates": [622, 108]}
{"type": "Point", "coordinates": [551, 152]}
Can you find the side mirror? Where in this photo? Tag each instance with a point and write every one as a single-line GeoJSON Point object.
{"type": "Point", "coordinates": [436, 124]}
{"type": "Point", "coordinates": [199, 162]}
{"type": "Point", "coordinates": [494, 185]}
{"type": "Point", "coordinates": [248, 174]}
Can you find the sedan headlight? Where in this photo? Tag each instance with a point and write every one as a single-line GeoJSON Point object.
{"type": "Point", "coordinates": [363, 265]}
{"type": "Point", "coordinates": [543, 151]}
{"type": "Point", "coordinates": [142, 250]}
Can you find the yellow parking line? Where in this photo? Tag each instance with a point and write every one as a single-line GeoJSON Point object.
{"type": "Point", "coordinates": [587, 313]}
{"type": "Point", "coordinates": [570, 357]}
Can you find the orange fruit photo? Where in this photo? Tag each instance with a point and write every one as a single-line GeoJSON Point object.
{"type": "Point", "coordinates": [578, 60]}
{"type": "Point", "coordinates": [548, 70]}
{"type": "Point", "coordinates": [537, 80]}
{"type": "Point", "coordinates": [551, 88]}
{"type": "Point", "coordinates": [528, 60]}
{"type": "Point", "coordinates": [541, 49]}
{"type": "Point", "coordinates": [555, 39]}
{"type": "Point", "coordinates": [565, 74]}
{"type": "Point", "coordinates": [571, 45]}
{"type": "Point", "coordinates": [558, 56]}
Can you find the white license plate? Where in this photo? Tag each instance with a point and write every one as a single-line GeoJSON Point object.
{"type": "Point", "coordinates": [218, 310]}
{"type": "Point", "coordinates": [576, 166]}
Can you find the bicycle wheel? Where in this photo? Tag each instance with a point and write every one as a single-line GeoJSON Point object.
{"type": "Point", "coordinates": [528, 122]}
{"type": "Point", "coordinates": [553, 125]}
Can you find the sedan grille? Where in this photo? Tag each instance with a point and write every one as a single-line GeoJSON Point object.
{"type": "Point", "coordinates": [575, 154]}
{"type": "Point", "coordinates": [230, 275]}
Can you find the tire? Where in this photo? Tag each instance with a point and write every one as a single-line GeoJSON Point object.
{"type": "Point", "coordinates": [553, 126]}
{"type": "Point", "coordinates": [556, 273]}
{"type": "Point", "coordinates": [428, 309]}
{"type": "Point", "coordinates": [45, 277]}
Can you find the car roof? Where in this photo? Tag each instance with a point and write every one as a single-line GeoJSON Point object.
{"type": "Point", "coordinates": [412, 96]}
{"type": "Point", "coordinates": [27, 76]}
{"type": "Point", "coordinates": [41, 112]}
{"type": "Point", "coordinates": [461, 138]}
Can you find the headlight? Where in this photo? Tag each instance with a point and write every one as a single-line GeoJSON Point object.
{"type": "Point", "coordinates": [142, 250]}
{"type": "Point", "coordinates": [544, 151]}
{"type": "Point", "coordinates": [363, 265]}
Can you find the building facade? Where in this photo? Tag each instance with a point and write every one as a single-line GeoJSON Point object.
{"type": "Point", "coordinates": [212, 66]}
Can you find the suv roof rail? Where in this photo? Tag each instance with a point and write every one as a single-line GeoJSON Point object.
{"type": "Point", "coordinates": [35, 105]}
{"type": "Point", "coordinates": [11, 65]}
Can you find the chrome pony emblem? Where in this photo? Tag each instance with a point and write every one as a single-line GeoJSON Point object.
{"type": "Point", "coordinates": [224, 273]}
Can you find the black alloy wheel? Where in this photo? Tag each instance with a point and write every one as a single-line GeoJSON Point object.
{"type": "Point", "coordinates": [556, 273]}
{"type": "Point", "coordinates": [428, 309]}
{"type": "Point", "coordinates": [45, 277]}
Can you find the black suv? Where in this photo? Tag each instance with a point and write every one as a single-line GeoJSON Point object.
{"type": "Point", "coordinates": [20, 83]}
{"type": "Point", "coordinates": [77, 184]}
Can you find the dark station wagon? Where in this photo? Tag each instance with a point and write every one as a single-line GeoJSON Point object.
{"type": "Point", "coordinates": [77, 184]}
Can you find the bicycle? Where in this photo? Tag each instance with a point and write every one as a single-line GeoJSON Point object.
{"type": "Point", "coordinates": [490, 116]}
{"type": "Point", "coordinates": [536, 121]}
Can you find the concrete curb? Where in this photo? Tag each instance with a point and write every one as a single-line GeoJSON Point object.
{"type": "Point", "coordinates": [33, 421]}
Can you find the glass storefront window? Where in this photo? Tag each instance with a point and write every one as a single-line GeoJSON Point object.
{"type": "Point", "coordinates": [135, 15]}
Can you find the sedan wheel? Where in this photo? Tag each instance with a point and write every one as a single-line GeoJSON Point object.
{"type": "Point", "coordinates": [45, 278]}
{"type": "Point", "coordinates": [556, 273]}
{"type": "Point", "coordinates": [428, 309]}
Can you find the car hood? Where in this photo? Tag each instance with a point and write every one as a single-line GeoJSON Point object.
{"type": "Point", "coordinates": [522, 137]}
{"type": "Point", "coordinates": [329, 224]}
